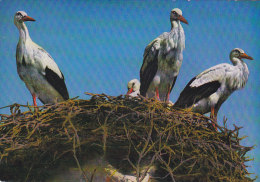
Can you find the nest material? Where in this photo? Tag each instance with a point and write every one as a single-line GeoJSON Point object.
{"type": "Point", "coordinates": [134, 135]}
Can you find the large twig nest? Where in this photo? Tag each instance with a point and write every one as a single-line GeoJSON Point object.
{"type": "Point", "coordinates": [133, 135]}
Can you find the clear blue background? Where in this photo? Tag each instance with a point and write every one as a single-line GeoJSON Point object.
{"type": "Point", "coordinates": [99, 47]}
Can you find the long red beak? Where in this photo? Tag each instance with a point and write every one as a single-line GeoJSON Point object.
{"type": "Point", "coordinates": [129, 91]}
{"type": "Point", "coordinates": [244, 55]}
{"type": "Point", "coordinates": [181, 18]}
{"type": "Point", "coordinates": [28, 18]}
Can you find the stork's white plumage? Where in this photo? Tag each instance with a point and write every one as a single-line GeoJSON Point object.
{"type": "Point", "coordinates": [162, 60]}
{"type": "Point", "coordinates": [207, 91]}
{"type": "Point", "coordinates": [36, 67]}
{"type": "Point", "coordinates": [133, 87]}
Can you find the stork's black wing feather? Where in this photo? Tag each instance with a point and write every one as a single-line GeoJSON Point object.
{"type": "Point", "coordinates": [191, 95]}
{"type": "Point", "coordinates": [149, 68]}
{"type": "Point", "coordinates": [57, 82]}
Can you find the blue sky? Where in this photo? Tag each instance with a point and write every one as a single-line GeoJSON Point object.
{"type": "Point", "coordinates": [99, 47]}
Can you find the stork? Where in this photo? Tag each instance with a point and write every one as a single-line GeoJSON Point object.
{"type": "Point", "coordinates": [36, 67]}
{"type": "Point", "coordinates": [162, 60]}
{"type": "Point", "coordinates": [207, 91]}
{"type": "Point", "coordinates": [133, 88]}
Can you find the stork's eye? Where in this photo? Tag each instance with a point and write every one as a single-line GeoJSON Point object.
{"type": "Point", "coordinates": [237, 51]}
{"type": "Point", "coordinates": [174, 12]}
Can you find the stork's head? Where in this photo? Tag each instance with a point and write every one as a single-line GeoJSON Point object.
{"type": "Point", "coordinates": [21, 16]}
{"type": "Point", "coordinates": [176, 14]}
{"type": "Point", "coordinates": [239, 53]}
{"type": "Point", "coordinates": [133, 85]}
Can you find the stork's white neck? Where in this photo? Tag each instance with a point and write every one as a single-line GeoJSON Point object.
{"type": "Point", "coordinates": [175, 24]}
{"type": "Point", "coordinates": [23, 31]}
{"type": "Point", "coordinates": [236, 61]}
{"type": "Point", "coordinates": [240, 64]}
{"type": "Point", "coordinates": [242, 70]}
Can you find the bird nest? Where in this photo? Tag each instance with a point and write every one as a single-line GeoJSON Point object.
{"type": "Point", "coordinates": [135, 136]}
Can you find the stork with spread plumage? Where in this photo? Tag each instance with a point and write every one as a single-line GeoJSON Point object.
{"type": "Point", "coordinates": [162, 60]}
{"type": "Point", "coordinates": [37, 68]}
{"type": "Point", "coordinates": [207, 91]}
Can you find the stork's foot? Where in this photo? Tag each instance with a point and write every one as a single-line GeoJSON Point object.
{"type": "Point", "coordinates": [214, 126]}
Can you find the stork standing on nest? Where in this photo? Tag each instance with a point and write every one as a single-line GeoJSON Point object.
{"type": "Point", "coordinates": [162, 60]}
{"type": "Point", "coordinates": [36, 67]}
{"type": "Point", "coordinates": [207, 91]}
{"type": "Point", "coordinates": [133, 88]}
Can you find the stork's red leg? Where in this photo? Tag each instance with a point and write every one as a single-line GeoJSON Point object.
{"type": "Point", "coordinates": [34, 99]}
{"type": "Point", "coordinates": [157, 93]}
{"type": "Point", "coordinates": [212, 116]}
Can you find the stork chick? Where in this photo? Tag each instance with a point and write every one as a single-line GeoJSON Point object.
{"type": "Point", "coordinates": [133, 87]}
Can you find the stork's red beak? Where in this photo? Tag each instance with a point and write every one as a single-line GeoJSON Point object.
{"type": "Point", "coordinates": [129, 91]}
{"type": "Point", "coordinates": [244, 55]}
{"type": "Point", "coordinates": [181, 18]}
{"type": "Point", "coordinates": [28, 18]}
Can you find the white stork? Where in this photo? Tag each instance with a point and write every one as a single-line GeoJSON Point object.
{"type": "Point", "coordinates": [36, 67]}
{"type": "Point", "coordinates": [133, 88]}
{"type": "Point", "coordinates": [162, 60]}
{"type": "Point", "coordinates": [207, 91]}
